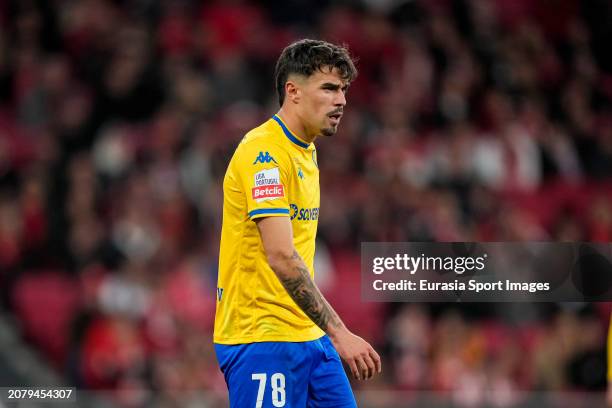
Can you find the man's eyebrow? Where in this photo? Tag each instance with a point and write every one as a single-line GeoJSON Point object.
{"type": "Point", "coordinates": [333, 86]}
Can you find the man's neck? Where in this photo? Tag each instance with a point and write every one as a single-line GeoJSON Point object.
{"type": "Point", "coordinates": [295, 126]}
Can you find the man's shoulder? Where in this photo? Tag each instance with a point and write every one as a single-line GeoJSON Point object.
{"type": "Point", "coordinates": [262, 143]}
{"type": "Point", "coordinates": [263, 135]}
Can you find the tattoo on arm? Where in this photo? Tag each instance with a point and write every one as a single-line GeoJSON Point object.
{"type": "Point", "coordinates": [307, 296]}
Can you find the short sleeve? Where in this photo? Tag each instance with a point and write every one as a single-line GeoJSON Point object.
{"type": "Point", "coordinates": [263, 173]}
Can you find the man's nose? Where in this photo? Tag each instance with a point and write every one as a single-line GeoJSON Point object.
{"type": "Point", "coordinates": [340, 99]}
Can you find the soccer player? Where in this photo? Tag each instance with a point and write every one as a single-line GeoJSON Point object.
{"type": "Point", "coordinates": [277, 340]}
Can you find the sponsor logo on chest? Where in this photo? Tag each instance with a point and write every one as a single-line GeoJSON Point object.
{"type": "Point", "coordinates": [304, 214]}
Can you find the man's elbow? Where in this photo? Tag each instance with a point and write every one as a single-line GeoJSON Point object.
{"type": "Point", "coordinates": [279, 258]}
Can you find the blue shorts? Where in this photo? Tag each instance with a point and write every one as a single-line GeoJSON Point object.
{"type": "Point", "coordinates": [285, 374]}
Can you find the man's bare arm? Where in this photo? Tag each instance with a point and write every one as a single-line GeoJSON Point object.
{"type": "Point", "coordinates": [306, 294]}
{"type": "Point", "coordinates": [277, 238]}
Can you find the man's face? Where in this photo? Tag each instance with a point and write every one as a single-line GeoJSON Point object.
{"type": "Point", "coordinates": [322, 100]}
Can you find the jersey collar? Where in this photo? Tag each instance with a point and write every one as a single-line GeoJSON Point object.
{"type": "Point", "coordinates": [293, 138]}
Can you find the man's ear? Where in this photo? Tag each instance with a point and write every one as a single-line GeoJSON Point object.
{"type": "Point", "coordinates": [293, 91]}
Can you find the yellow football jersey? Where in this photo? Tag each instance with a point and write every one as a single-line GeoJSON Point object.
{"type": "Point", "coordinates": [272, 173]}
{"type": "Point", "coordinates": [610, 351]}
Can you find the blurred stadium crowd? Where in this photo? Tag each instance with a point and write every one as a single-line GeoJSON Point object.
{"type": "Point", "coordinates": [471, 120]}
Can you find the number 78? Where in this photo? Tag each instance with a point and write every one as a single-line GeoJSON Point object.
{"type": "Point", "coordinates": [277, 382]}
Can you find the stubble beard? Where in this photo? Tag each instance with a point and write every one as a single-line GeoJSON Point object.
{"type": "Point", "coordinates": [328, 131]}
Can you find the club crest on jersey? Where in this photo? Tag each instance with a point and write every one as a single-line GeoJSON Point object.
{"type": "Point", "coordinates": [264, 158]}
{"type": "Point", "coordinates": [267, 185]}
{"type": "Point", "coordinates": [300, 174]}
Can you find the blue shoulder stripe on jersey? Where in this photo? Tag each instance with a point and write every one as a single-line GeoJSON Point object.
{"type": "Point", "coordinates": [261, 211]}
{"type": "Point", "coordinates": [288, 133]}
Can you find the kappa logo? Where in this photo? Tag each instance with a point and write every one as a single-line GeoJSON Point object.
{"type": "Point", "coordinates": [219, 293]}
{"type": "Point", "coordinates": [264, 158]}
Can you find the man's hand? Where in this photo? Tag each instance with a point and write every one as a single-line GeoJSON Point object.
{"type": "Point", "coordinates": [362, 359]}
{"type": "Point", "coordinates": [277, 237]}
{"type": "Point", "coordinates": [609, 395]}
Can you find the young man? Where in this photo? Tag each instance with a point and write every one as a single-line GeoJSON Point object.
{"type": "Point", "coordinates": [278, 341]}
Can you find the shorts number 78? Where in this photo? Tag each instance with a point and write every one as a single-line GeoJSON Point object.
{"type": "Point", "coordinates": [277, 382]}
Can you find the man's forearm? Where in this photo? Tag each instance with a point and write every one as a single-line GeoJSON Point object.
{"type": "Point", "coordinates": [294, 276]}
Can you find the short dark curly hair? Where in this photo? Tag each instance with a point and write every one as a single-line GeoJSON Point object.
{"type": "Point", "coordinates": [304, 57]}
